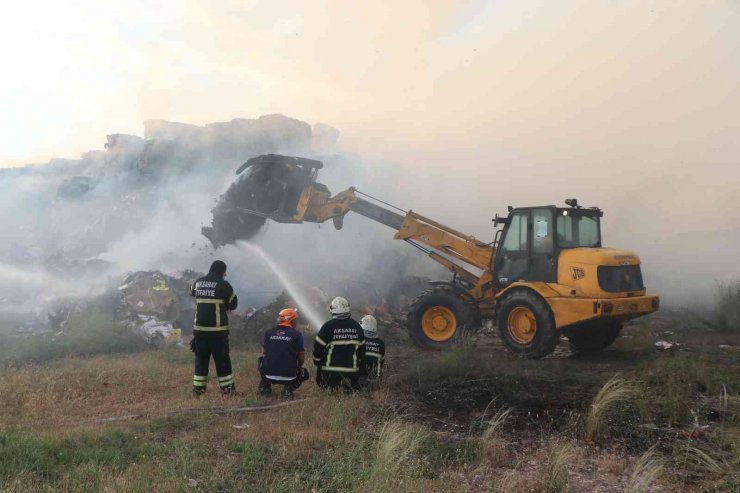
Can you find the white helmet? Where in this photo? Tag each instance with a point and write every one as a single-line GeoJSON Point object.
{"type": "Point", "coordinates": [369, 324]}
{"type": "Point", "coordinates": [339, 306]}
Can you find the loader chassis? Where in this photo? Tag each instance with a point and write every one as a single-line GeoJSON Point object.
{"type": "Point", "coordinates": [548, 275]}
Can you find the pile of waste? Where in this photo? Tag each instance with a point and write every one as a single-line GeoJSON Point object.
{"type": "Point", "coordinates": [68, 212]}
{"type": "Point", "coordinates": [257, 321]}
{"type": "Point", "coordinates": [153, 305]}
{"type": "Point", "coordinates": [158, 306]}
{"type": "Point", "coordinates": [388, 308]}
{"type": "Point", "coordinates": [76, 228]}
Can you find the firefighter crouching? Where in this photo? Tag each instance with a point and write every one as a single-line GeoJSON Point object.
{"type": "Point", "coordinates": [282, 355]}
{"type": "Point", "coordinates": [214, 297]}
{"type": "Point", "coordinates": [339, 349]}
{"type": "Point", "coordinates": [372, 364]}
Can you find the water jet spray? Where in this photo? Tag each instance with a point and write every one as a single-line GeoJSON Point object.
{"type": "Point", "coordinates": [305, 308]}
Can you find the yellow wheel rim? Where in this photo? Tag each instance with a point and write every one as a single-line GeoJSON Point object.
{"type": "Point", "coordinates": [522, 325]}
{"type": "Point", "coordinates": [439, 323]}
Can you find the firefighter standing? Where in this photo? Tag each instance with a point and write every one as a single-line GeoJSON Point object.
{"type": "Point", "coordinates": [214, 297]}
{"type": "Point", "coordinates": [372, 364]}
{"type": "Point", "coordinates": [282, 355]}
{"type": "Point", "coordinates": [339, 349]}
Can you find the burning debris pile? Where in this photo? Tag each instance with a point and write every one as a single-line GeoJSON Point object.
{"type": "Point", "coordinates": [157, 306]}
{"type": "Point", "coordinates": [98, 233]}
{"type": "Point", "coordinates": [127, 207]}
{"type": "Point", "coordinates": [389, 310]}
{"type": "Point", "coordinates": [257, 321]}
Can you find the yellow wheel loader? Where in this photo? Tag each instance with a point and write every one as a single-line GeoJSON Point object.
{"type": "Point", "coordinates": [545, 274]}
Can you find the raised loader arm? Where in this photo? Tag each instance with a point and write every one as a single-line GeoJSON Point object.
{"type": "Point", "coordinates": [284, 189]}
{"type": "Point", "coordinates": [443, 244]}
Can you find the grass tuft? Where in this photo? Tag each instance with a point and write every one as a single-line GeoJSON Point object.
{"type": "Point", "coordinates": [614, 391]}
{"type": "Point", "coordinates": [700, 460]}
{"type": "Point", "coordinates": [646, 471]}
{"type": "Point", "coordinates": [397, 444]}
{"type": "Point", "coordinates": [494, 448]}
{"type": "Point", "coordinates": [560, 456]}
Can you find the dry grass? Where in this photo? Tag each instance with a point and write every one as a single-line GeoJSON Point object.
{"type": "Point", "coordinates": [75, 391]}
{"type": "Point", "coordinates": [330, 443]}
{"type": "Point", "coordinates": [615, 390]}
{"type": "Point", "coordinates": [560, 458]}
{"type": "Point", "coordinates": [397, 446]}
{"type": "Point", "coordinates": [494, 447]}
{"type": "Point", "coordinates": [701, 460]}
{"type": "Point", "coordinates": [610, 463]}
{"type": "Point", "coordinates": [389, 441]}
{"type": "Point", "coordinates": [645, 473]}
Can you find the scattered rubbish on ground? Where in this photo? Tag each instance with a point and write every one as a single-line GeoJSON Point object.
{"type": "Point", "coordinates": [666, 346]}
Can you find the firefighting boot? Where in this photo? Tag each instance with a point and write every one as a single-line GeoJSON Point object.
{"type": "Point", "coordinates": [229, 390]}
{"type": "Point", "coordinates": [265, 388]}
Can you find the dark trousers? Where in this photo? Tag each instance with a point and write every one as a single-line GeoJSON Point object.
{"type": "Point", "coordinates": [335, 380]}
{"type": "Point", "coordinates": [218, 347]}
{"type": "Point", "coordinates": [266, 383]}
{"type": "Point", "coordinates": [369, 384]}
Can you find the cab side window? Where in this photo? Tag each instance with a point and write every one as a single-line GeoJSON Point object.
{"type": "Point", "coordinates": [516, 236]}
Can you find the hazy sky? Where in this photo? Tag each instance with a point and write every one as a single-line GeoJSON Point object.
{"type": "Point", "coordinates": [631, 105]}
{"type": "Point", "coordinates": [396, 77]}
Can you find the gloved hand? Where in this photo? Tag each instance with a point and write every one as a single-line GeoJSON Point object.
{"type": "Point", "coordinates": [192, 345]}
{"type": "Point", "coordinates": [259, 363]}
{"type": "Point", "coordinates": [303, 374]}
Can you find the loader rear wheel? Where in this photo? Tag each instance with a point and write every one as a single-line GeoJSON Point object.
{"type": "Point", "coordinates": [438, 316]}
{"type": "Point", "coordinates": [526, 325]}
{"type": "Point", "coordinates": [594, 336]}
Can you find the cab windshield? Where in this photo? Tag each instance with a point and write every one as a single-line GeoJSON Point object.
{"type": "Point", "coordinates": [577, 228]}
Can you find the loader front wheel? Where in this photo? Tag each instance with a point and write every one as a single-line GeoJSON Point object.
{"type": "Point", "coordinates": [526, 325]}
{"type": "Point", "coordinates": [437, 317]}
{"type": "Point", "coordinates": [594, 336]}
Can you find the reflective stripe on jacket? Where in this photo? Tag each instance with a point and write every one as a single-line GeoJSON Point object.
{"type": "Point", "coordinates": [339, 346]}
{"type": "Point", "coordinates": [214, 296]}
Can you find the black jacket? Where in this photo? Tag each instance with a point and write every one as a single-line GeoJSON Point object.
{"type": "Point", "coordinates": [214, 296]}
{"type": "Point", "coordinates": [339, 346]}
{"type": "Point", "coordinates": [372, 363]}
{"type": "Point", "coordinates": [281, 349]}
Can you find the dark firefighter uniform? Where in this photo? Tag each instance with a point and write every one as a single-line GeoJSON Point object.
{"type": "Point", "coordinates": [372, 362]}
{"type": "Point", "coordinates": [282, 359]}
{"type": "Point", "coordinates": [214, 297]}
{"type": "Point", "coordinates": [338, 352]}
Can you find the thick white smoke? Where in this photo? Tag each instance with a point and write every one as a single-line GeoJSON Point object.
{"type": "Point", "coordinates": [149, 200]}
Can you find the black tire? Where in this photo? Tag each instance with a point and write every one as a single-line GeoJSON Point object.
{"type": "Point", "coordinates": [594, 336]}
{"type": "Point", "coordinates": [546, 337]}
{"type": "Point", "coordinates": [466, 314]}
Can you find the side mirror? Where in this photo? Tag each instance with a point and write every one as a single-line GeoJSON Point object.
{"type": "Point", "coordinates": [499, 220]}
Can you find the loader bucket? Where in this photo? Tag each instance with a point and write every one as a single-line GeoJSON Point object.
{"type": "Point", "coordinates": [266, 187]}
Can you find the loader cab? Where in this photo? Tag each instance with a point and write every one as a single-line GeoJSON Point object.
{"type": "Point", "coordinates": [533, 237]}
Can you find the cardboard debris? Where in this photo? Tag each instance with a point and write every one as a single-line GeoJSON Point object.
{"type": "Point", "coordinates": [158, 306]}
